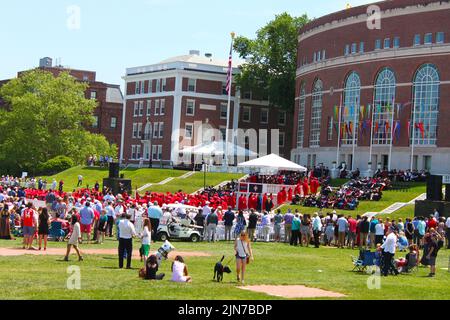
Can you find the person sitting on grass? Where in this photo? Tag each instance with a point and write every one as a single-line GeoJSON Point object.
{"type": "Point", "coordinates": [75, 239]}
{"type": "Point", "coordinates": [151, 269]}
{"type": "Point", "coordinates": [179, 271]}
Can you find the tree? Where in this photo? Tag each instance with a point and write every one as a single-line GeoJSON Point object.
{"type": "Point", "coordinates": [46, 118]}
{"type": "Point", "coordinates": [272, 60]}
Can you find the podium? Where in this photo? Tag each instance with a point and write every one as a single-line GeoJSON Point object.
{"type": "Point", "coordinates": [116, 183]}
{"type": "Point", "coordinates": [435, 198]}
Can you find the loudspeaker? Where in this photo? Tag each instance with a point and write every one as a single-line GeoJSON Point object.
{"type": "Point", "coordinates": [447, 192]}
{"type": "Point", "coordinates": [434, 188]}
{"type": "Point", "coordinates": [114, 170]}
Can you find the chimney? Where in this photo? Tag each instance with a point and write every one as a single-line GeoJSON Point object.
{"type": "Point", "coordinates": [194, 52]}
{"type": "Point", "coordinates": [46, 62]}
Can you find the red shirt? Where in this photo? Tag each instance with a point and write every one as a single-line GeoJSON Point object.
{"type": "Point", "coordinates": [352, 225]}
{"type": "Point", "coordinates": [28, 218]}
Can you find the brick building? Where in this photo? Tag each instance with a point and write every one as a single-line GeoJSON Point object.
{"type": "Point", "coordinates": [391, 58]}
{"type": "Point", "coordinates": [165, 102]}
{"type": "Point", "coordinates": [108, 114]}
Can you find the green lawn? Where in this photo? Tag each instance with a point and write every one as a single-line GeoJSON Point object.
{"type": "Point", "coordinates": [30, 277]}
{"type": "Point", "coordinates": [389, 197]}
{"type": "Point", "coordinates": [139, 177]}
{"type": "Point", "coordinates": [195, 182]}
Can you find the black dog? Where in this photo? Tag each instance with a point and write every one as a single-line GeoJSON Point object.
{"type": "Point", "coordinates": [219, 269]}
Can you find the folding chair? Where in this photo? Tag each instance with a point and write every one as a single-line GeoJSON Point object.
{"type": "Point", "coordinates": [358, 264]}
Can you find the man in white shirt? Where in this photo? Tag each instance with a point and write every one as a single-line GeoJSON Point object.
{"type": "Point", "coordinates": [389, 247]}
{"type": "Point", "coordinates": [126, 234]}
{"type": "Point", "coordinates": [206, 210]}
{"type": "Point", "coordinates": [110, 214]}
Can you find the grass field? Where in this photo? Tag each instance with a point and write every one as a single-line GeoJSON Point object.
{"type": "Point", "coordinates": [44, 277]}
{"type": "Point", "coordinates": [389, 197]}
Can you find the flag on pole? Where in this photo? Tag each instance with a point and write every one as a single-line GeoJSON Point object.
{"type": "Point", "coordinates": [230, 71]}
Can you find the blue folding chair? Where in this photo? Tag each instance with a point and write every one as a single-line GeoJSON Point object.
{"type": "Point", "coordinates": [56, 231]}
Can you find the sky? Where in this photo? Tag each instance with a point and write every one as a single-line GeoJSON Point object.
{"type": "Point", "coordinates": [108, 36]}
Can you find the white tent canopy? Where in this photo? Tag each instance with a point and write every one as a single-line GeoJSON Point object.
{"type": "Point", "coordinates": [218, 149]}
{"type": "Point", "coordinates": [272, 161]}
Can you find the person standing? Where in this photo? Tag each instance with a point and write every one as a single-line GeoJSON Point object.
{"type": "Point", "coordinates": [43, 229]}
{"type": "Point", "coordinates": [110, 215]}
{"type": "Point", "coordinates": [200, 221]}
{"type": "Point", "coordinates": [80, 181]}
{"type": "Point", "coordinates": [60, 186]}
{"type": "Point", "coordinates": [146, 240]}
{"type": "Point", "coordinates": [373, 223]}
{"type": "Point", "coordinates": [244, 253]}
{"type": "Point", "coordinates": [364, 228]}
{"type": "Point", "coordinates": [75, 239]}
{"type": "Point", "coordinates": [288, 217]}
{"type": "Point", "coordinates": [342, 227]}
{"type": "Point", "coordinates": [30, 222]}
{"type": "Point", "coordinates": [434, 245]}
{"type": "Point", "coordinates": [352, 224]}
{"type": "Point", "coordinates": [317, 229]}
{"type": "Point", "coordinates": [86, 218]}
{"type": "Point", "coordinates": [211, 226]}
{"type": "Point", "coordinates": [50, 199]}
{"type": "Point", "coordinates": [126, 234]}
{"type": "Point", "coordinates": [447, 231]}
{"type": "Point", "coordinates": [421, 228]}
{"type": "Point", "coordinates": [388, 248]}
{"type": "Point", "coordinates": [277, 220]}
{"type": "Point", "coordinates": [379, 232]}
{"type": "Point", "coordinates": [101, 229]}
{"type": "Point", "coordinates": [228, 221]}
{"type": "Point", "coordinates": [154, 214]}
{"type": "Point", "coordinates": [252, 222]}
{"type": "Point", "coordinates": [295, 231]}
{"type": "Point", "coordinates": [266, 226]}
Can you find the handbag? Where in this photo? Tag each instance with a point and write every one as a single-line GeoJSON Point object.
{"type": "Point", "coordinates": [247, 260]}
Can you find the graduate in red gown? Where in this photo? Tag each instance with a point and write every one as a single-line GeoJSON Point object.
{"type": "Point", "coordinates": [305, 187]}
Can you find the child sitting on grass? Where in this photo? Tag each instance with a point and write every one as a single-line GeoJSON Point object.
{"type": "Point", "coordinates": [151, 269]}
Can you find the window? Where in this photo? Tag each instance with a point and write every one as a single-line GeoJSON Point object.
{"type": "Point", "coordinates": [136, 109]}
{"type": "Point", "coordinates": [354, 46]}
{"type": "Point", "coordinates": [146, 152]}
{"type": "Point", "coordinates": [347, 50]}
{"type": "Point", "coordinates": [141, 108]}
{"type": "Point", "coordinates": [428, 39]}
{"type": "Point", "coordinates": [281, 139]}
{"type": "Point", "coordinates": [150, 86]}
{"type": "Point", "coordinates": [385, 85]}
{"type": "Point", "coordinates": [161, 130]}
{"type": "Point", "coordinates": [155, 130]}
{"type": "Point", "coordinates": [246, 114]}
{"type": "Point", "coordinates": [188, 131]}
{"type": "Point", "coordinates": [319, 56]}
{"type": "Point", "coordinates": [162, 107]}
{"type": "Point", "coordinates": [157, 104]}
{"type": "Point", "coordinates": [93, 95]}
{"type": "Point", "coordinates": [137, 87]}
{"type": "Point", "coordinates": [427, 163]}
{"type": "Point", "coordinates": [377, 44]}
{"type": "Point", "coordinates": [315, 57]}
{"type": "Point", "coordinates": [223, 110]}
{"type": "Point", "coordinates": [351, 114]}
{"type": "Point", "coordinates": [191, 85]}
{"type": "Point", "coordinates": [330, 128]}
{"type": "Point", "coordinates": [138, 152]}
{"type": "Point", "coordinates": [113, 122]}
{"type": "Point", "coordinates": [148, 131]}
{"type": "Point", "coordinates": [95, 123]}
{"type": "Point", "coordinates": [156, 152]}
{"type": "Point", "coordinates": [158, 85]}
{"type": "Point", "coordinates": [248, 95]}
{"type": "Point", "coordinates": [149, 108]}
{"type": "Point", "coordinates": [361, 47]}
{"type": "Point", "coordinates": [439, 37]}
{"type": "Point", "coordinates": [133, 152]}
{"type": "Point", "coordinates": [426, 105]}
{"type": "Point", "coordinates": [387, 43]}
{"type": "Point", "coordinates": [316, 113]}
{"type": "Point", "coordinates": [417, 40]}
{"type": "Point", "coordinates": [142, 90]}
{"type": "Point", "coordinates": [264, 116]}
{"type": "Point", "coordinates": [282, 118]}
{"type": "Point", "coordinates": [135, 127]}
{"type": "Point", "coordinates": [164, 84]}
{"type": "Point", "coordinates": [301, 116]}
{"type": "Point", "coordinates": [396, 42]}
{"type": "Point", "coordinates": [323, 55]}
{"type": "Point", "coordinates": [190, 107]}
{"type": "Point", "coordinates": [139, 131]}
{"type": "Point", "coordinates": [224, 88]}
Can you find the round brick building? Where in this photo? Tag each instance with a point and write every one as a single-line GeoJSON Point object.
{"type": "Point", "coordinates": [372, 78]}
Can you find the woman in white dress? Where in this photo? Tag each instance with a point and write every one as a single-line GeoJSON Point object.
{"type": "Point", "coordinates": [180, 271]}
{"type": "Point", "coordinates": [243, 255]}
{"type": "Point", "coordinates": [139, 220]}
{"type": "Point", "coordinates": [75, 239]}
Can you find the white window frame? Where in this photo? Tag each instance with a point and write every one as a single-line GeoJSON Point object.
{"type": "Point", "coordinates": [149, 108]}
{"type": "Point", "coordinates": [189, 85]}
{"type": "Point", "coordinates": [193, 107]}
{"type": "Point", "coordinates": [264, 110]}
{"type": "Point", "coordinates": [155, 130]}
{"type": "Point", "coordinates": [279, 118]}
{"type": "Point", "coordinates": [113, 123]}
{"type": "Point", "coordinates": [95, 123]}
{"type": "Point", "coordinates": [158, 85]}
{"type": "Point", "coordinates": [138, 152]}
{"type": "Point", "coordinates": [137, 88]}
{"type": "Point", "coordinates": [224, 105]}
{"type": "Point", "coordinates": [134, 132]}
{"type": "Point", "coordinates": [282, 137]}
{"type": "Point", "coordinates": [150, 86]}
{"type": "Point", "coordinates": [157, 106]}
{"type": "Point", "coordinates": [249, 114]}
{"type": "Point", "coordinates": [162, 107]}
{"type": "Point", "coordinates": [164, 85]}
{"type": "Point", "coordinates": [438, 34]}
{"type": "Point", "coordinates": [133, 152]}
{"type": "Point", "coordinates": [428, 34]}
{"type": "Point", "coordinates": [93, 95]}
{"type": "Point", "coordinates": [139, 130]}
{"type": "Point", "coordinates": [136, 109]}
{"type": "Point", "coordinates": [186, 131]}
{"type": "Point", "coordinates": [161, 130]}
{"type": "Point", "coordinates": [141, 108]}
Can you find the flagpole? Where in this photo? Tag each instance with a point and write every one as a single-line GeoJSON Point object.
{"type": "Point", "coordinates": [229, 103]}
{"type": "Point", "coordinates": [339, 133]}
{"type": "Point", "coordinates": [413, 134]}
{"type": "Point", "coordinates": [354, 134]}
{"type": "Point", "coordinates": [392, 133]}
{"type": "Point", "coordinates": [371, 132]}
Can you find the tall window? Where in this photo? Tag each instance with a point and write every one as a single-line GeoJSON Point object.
{"type": "Point", "coordinates": [417, 40]}
{"type": "Point", "coordinates": [384, 99]}
{"type": "Point", "coordinates": [396, 42]}
{"type": "Point", "coordinates": [264, 116]}
{"type": "Point", "coordinates": [352, 93]}
{"type": "Point", "coordinates": [301, 116]}
{"type": "Point", "coordinates": [440, 37]}
{"type": "Point", "coordinates": [426, 105]}
{"type": "Point", "coordinates": [330, 128]}
{"type": "Point", "coordinates": [113, 122]}
{"type": "Point", "coordinates": [316, 114]}
{"type": "Point", "coordinates": [191, 85]}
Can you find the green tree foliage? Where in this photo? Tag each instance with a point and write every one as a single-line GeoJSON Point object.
{"type": "Point", "coordinates": [272, 60]}
{"type": "Point", "coordinates": [46, 118]}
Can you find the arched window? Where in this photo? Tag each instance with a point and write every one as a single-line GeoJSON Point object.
{"type": "Point", "coordinates": [426, 105]}
{"type": "Point", "coordinates": [301, 116]}
{"type": "Point", "coordinates": [352, 94]}
{"type": "Point", "coordinates": [385, 85]}
{"type": "Point", "coordinates": [316, 113]}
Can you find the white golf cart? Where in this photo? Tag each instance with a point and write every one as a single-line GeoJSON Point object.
{"type": "Point", "coordinates": [180, 227]}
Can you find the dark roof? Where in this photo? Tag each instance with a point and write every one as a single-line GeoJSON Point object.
{"type": "Point", "coordinates": [356, 11]}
